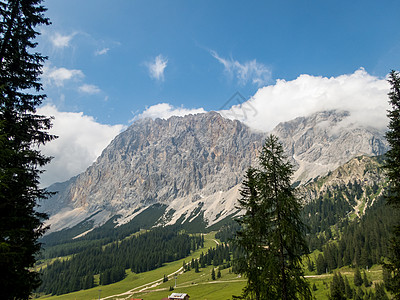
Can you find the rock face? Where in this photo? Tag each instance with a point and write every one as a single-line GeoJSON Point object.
{"type": "Point", "coordinates": [326, 140]}
{"type": "Point", "coordinates": [158, 161]}
{"type": "Point", "coordinates": [194, 165]}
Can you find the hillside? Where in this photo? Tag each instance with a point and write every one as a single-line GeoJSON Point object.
{"type": "Point", "coordinates": [345, 211]}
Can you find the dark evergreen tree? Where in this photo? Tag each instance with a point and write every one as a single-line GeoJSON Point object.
{"type": "Point", "coordinates": [359, 294]}
{"type": "Point", "coordinates": [213, 274]}
{"type": "Point", "coordinates": [366, 282]}
{"type": "Point", "coordinates": [310, 266]}
{"type": "Point", "coordinates": [314, 287]}
{"type": "Point", "coordinates": [21, 131]}
{"type": "Point", "coordinates": [272, 234]}
{"type": "Point", "coordinates": [337, 288]}
{"type": "Point", "coordinates": [357, 277]}
{"type": "Point", "coordinates": [321, 264]}
{"type": "Point", "coordinates": [387, 278]}
{"type": "Point", "coordinates": [393, 171]}
{"type": "Point", "coordinates": [347, 289]}
{"type": "Point", "coordinates": [380, 293]}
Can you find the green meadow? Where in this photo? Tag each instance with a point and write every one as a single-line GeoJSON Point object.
{"type": "Point", "coordinates": [199, 286]}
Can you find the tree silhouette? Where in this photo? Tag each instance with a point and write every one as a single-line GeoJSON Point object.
{"type": "Point", "coordinates": [21, 131]}
{"type": "Point", "coordinates": [393, 170]}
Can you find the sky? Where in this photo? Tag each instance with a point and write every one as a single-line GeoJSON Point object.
{"type": "Point", "coordinates": [262, 62]}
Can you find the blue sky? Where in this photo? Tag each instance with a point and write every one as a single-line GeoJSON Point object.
{"type": "Point", "coordinates": [111, 62]}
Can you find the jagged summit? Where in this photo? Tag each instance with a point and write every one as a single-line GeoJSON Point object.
{"type": "Point", "coordinates": [194, 166]}
{"type": "Point", "coordinates": [159, 161]}
{"type": "Point", "coordinates": [325, 140]}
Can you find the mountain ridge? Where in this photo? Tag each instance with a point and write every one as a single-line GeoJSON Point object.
{"type": "Point", "coordinates": [195, 164]}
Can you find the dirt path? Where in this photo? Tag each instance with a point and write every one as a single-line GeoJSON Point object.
{"type": "Point", "coordinates": [143, 287]}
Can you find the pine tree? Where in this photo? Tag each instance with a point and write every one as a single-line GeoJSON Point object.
{"type": "Point", "coordinates": [213, 274]}
{"type": "Point", "coordinates": [366, 282]}
{"type": "Point", "coordinates": [380, 292]}
{"type": "Point", "coordinates": [272, 235]}
{"type": "Point", "coordinates": [357, 277]}
{"type": "Point", "coordinates": [21, 131]}
{"type": "Point", "coordinates": [321, 264]}
{"type": "Point", "coordinates": [348, 290]}
{"type": "Point", "coordinates": [393, 171]}
{"type": "Point", "coordinates": [314, 287]}
{"type": "Point", "coordinates": [337, 288]}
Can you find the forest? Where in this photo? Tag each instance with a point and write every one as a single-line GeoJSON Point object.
{"type": "Point", "coordinates": [140, 253]}
{"type": "Point", "coordinates": [341, 237]}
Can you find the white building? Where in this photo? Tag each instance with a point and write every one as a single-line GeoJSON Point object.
{"type": "Point", "coordinates": [179, 296]}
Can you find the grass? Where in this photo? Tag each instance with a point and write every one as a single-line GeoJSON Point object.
{"type": "Point", "coordinates": [133, 280]}
{"type": "Point", "coordinates": [200, 286]}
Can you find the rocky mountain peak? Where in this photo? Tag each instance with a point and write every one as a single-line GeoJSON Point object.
{"type": "Point", "coordinates": [323, 141]}
{"type": "Point", "coordinates": [158, 161]}
{"type": "Point", "coordinates": [194, 166]}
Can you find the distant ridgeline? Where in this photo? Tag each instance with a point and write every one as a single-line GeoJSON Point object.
{"type": "Point", "coordinates": [345, 211]}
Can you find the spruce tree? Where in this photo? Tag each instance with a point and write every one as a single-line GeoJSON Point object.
{"type": "Point", "coordinates": [393, 170]}
{"type": "Point", "coordinates": [272, 235]}
{"type": "Point", "coordinates": [357, 277]}
{"type": "Point", "coordinates": [337, 288]}
{"type": "Point", "coordinates": [21, 132]}
{"type": "Point", "coordinates": [348, 290]}
{"type": "Point", "coordinates": [366, 282]}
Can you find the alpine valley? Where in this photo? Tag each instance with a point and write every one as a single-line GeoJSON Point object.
{"type": "Point", "coordinates": [111, 223]}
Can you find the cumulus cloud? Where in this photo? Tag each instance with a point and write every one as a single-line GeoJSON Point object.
{"type": "Point", "coordinates": [102, 51]}
{"type": "Point", "coordinates": [363, 95]}
{"type": "Point", "coordinates": [157, 67]}
{"type": "Point", "coordinates": [61, 41]}
{"type": "Point", "coordinates": [250, 71]}
{"type": "Point", "coordinates": [165, 110]}
{"type": "Point", "coordinates": [58, 76]}
{"type": "Point", "coordinates": [89, 89]}
{"type": "Point", "coordinates": [81, 140]}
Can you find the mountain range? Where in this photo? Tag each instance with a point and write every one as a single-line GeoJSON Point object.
{"type": "Point", "coordinates": [192, 167]}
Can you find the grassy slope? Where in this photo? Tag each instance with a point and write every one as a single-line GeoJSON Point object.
{"type": "Point", "coordinates": [136, 280]}
{"type": "Point", "coordinates": [198, 285]}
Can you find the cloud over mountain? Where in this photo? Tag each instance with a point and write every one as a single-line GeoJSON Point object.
{"type": "Point", "coordinates": [361, 94]}
{"type": "Point", "coordinates": [81, 140]}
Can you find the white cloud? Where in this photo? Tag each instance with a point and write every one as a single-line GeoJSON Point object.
{"type": "Point", "coordinates": [81, 140]}
{"type": "Point", "coordinates": [363, 95]}
{"type": "Point", "coordinates": [165, 110]}
{"type": "Point", "coordinates": [250, 71]}
{"type": "Point", "coordinates": [61, 41]}
{"type": "Point", "coordinates": [102, 51]}
{"type": "Point", "coordinates": [57, 76]}
{"type": "Point", "coordinates": [89, 89]}
{"type": "Point", "coordinates": [156, 68]}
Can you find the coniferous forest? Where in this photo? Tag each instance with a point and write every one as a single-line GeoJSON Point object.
{"type": "Point", "coordinates": [143, 252]}
{"type": "Point", "coordinates": [342, 237]}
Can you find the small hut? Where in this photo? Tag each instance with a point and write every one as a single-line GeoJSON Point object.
{"type": "Point", "coordinates": [178, 296]}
